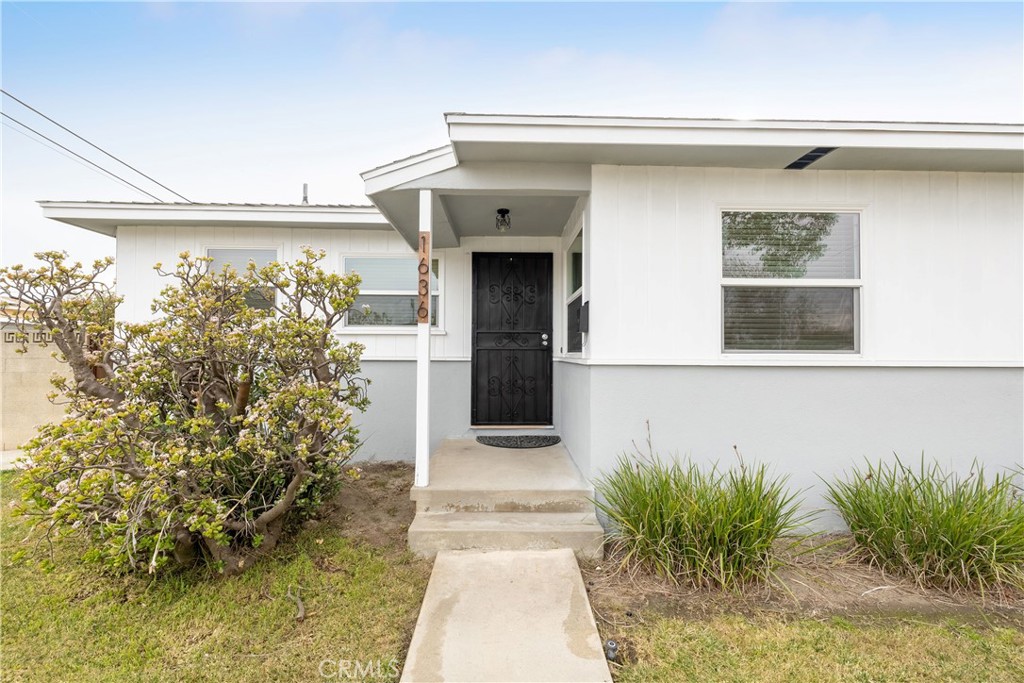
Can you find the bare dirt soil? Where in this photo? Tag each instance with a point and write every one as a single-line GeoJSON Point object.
{"type": "Point", "coordinates": [826, 584]}
{"type": "Point", "coordinates": [375, 508]}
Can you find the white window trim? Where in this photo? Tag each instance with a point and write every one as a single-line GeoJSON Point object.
{"type": "Point", "coordinates": [578, 293]}
{"type": "Point", "coordinates": [277, 248]}
{"type": "Point", "coordinates": [438, 329]}
{"type": "Point", "coordinates": [243, 247]}
{"type": "Point", "coordinates": [855, 283]}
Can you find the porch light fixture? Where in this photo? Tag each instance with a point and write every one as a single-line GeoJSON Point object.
{"type": "Point", "coordinates": [503, 222]}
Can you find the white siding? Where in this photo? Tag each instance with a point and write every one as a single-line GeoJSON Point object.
{"type": "Point", "coordinates": [140, 247]}
{"type": "Point", "coordinates": [942, 274]}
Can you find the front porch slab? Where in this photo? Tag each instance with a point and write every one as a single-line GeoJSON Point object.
{"type": "Point", "coordinates": [466, 476]}
{"type": "Point", "coordinates": [486, 498]}
{"type": "Point", "coordinates": [506, 616]}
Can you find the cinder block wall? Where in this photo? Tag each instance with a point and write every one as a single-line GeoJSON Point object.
{"type": "Point", "coordinates": [24, 385]}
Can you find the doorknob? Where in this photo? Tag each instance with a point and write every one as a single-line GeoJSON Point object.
{"type": "Point", "coordinates": [544, 336]}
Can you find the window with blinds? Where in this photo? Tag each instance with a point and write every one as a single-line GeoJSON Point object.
{"type": "Point", "coordinates": [387, 295]}
{"type": "Point", "coordinates": [790, 281]}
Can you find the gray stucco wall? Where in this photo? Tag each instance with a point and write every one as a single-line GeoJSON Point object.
{"type": "Point", "coordinates": [805, 422]}
{"type": "Point", "coordinates": [388, 428]}
{"type": "Point", "coordinates": [572, 416]}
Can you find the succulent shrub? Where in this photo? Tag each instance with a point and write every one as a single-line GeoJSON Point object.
{"type": "Point", "coordinates": [199, 435]}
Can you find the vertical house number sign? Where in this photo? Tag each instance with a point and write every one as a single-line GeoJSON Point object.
{"type": "Point", "coordinates": [423, 310]}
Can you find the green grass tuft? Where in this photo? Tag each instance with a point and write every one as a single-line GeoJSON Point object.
{"type": "Point", "coordinates": [706, 527]}
{"type": "Point", "coordinates": [942, 530]}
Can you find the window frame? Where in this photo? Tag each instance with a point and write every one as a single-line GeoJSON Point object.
{"type": "Point", "coordinates": [276, 248]}
{"type": "Point", "coordinates": [856, 284]}
{"type": "Point", "coordinates": [395, 329]}
{"type": "Point", "coordinates": [572, 296]}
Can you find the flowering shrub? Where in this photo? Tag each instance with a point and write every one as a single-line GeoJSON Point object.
{"type": "Point", "coordinates": [199, 435]}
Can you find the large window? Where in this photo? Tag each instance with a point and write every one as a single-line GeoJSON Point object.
{"type": "Point", "coordinates": [239, 258]}
{"type": "Point", "coordinates": [790, 281]}
{"type": "Point", "coordinates": [387, 296]}
{"type": "Point", "coordinates": [574, 300]}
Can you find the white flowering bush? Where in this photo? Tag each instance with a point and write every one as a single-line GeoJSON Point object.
{"type": "Point", "coordinates": [199, 436]}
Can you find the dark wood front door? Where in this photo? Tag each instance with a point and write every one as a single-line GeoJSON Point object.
{"type": "Point", "coordinates": [511, 339]}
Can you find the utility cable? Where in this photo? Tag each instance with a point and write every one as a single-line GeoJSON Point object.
{"type": "Point", "coordinates": [91, 163]}
{"type": "Point", "coordinates": [105, 174]}
{"type": "Point", "coordinates": [124, 163]}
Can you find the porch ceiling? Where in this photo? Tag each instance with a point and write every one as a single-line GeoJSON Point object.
{"type": "Point", "coordinates": [540, 196]}
{"type": "Point", "coordinates": [531, 215]}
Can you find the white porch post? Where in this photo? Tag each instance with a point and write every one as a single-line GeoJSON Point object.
{"type": "Point", "coordinates": [423, 343]}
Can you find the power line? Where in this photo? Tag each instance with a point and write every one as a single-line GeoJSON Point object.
{"type": "Point", "coordinates": [91, 163]}
{"type": "Point", "coordinates": [105, 174]}
{"type": "Point", "coordinates": [124, 163]}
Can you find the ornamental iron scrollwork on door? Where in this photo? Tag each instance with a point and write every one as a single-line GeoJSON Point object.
{"type": "Point", "coordinates": [511, 386]}
{"type": "Point", "coordinates": [512, 312]}
{"type": "Point", "coordinates": [505, 338]}
{"type": "Point", "coordinates": [512, 293]}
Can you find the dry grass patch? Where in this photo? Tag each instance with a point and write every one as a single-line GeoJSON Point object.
{"type": "Point", "coordinates": [828, 617]}
{"type": "Point", "coordinates": [771, 648]}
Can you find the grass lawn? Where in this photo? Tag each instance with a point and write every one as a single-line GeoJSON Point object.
{"type": "Point", "coordinates": [770, 648]}
{"type": "Point", "coordinates": [836, 621]}
{"type": "Point", "coordinates": [74, 623]}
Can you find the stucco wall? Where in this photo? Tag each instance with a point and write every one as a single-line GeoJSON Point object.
{"type": "Point", "coordinates": [806, 422]}
{"type": "Point", "coordinates": [388, 428]}
{"type": "Point", "coordinates": [24, 385]}
{"type": "Point", "coordinates": [573, 410]}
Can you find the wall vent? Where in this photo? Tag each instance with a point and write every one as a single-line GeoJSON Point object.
{"type": "Point", "coordinates": [809, 158]}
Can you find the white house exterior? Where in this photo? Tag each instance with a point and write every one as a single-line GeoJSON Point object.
{"type": "Point", "coordinates": [869, 299]}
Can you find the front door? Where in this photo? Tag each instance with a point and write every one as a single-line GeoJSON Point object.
{"type": "Point", "coordinates": [511, 339]}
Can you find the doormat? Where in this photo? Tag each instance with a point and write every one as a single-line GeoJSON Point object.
{"type": "Point", "coordinates": [519, 441]}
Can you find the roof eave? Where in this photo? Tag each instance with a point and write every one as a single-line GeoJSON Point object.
{"type": "Point", "coordinates": [105, 217]}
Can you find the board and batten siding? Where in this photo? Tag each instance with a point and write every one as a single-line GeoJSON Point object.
{"type": "Point", "coordinates": [140, 247]}
{"type": "Point", "coordinates": [941, 255]}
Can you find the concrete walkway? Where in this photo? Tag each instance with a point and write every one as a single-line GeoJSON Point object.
{"type": "Point", "coordinates": [506, 615]}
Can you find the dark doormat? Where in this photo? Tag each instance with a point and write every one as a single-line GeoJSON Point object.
{"type": "Point", "coordinates": [519, 441]}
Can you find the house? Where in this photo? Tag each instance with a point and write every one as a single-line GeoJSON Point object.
{"type": "Point", "coordinates": [812, 293]}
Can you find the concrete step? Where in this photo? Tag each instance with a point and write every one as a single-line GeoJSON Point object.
{"type": "Point", "coordinates": [431, 499]}
{"type": "Point", "coordinates": [579, 531]}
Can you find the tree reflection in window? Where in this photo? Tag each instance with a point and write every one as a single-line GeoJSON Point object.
{"type": "Point", "coordinates": [822, 248]}
{"type": "Point", "coordinates": [773, 243]}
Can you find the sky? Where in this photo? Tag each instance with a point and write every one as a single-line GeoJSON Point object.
{"type": "Point", "coordinates": [245, 102]}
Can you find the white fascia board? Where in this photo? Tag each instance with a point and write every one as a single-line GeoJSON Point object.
{"type": "Point", "coordinates": [515, 177]}
{"type": "Point", "coordinates": [105, 217]}
{"type": "Point", "coordinates": [408, 170]}
{"type": "Point", "coordinates": [670, 132]}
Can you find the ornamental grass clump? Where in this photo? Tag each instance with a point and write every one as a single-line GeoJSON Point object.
{"type": "Point", "coordinates": [942, 530]}
{"type": "Point", "coordinates": [708, 527]}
